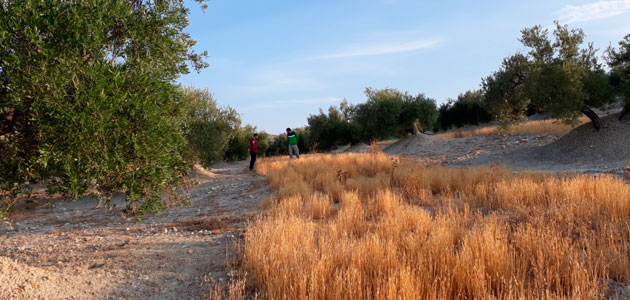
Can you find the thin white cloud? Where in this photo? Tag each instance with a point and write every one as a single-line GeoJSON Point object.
{"type": "Point", "coordinates": [381, 48]}
{"type": "Point", "coordinates": [593, 11]}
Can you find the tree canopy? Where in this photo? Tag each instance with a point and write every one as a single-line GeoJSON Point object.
{"type": "Point", "coordinates": [559, 77]}
{"type": "Point", "coordinates": [88, 99]}
{"type": "Point", "coordinates": [468, 109]}
{"type": "Point", "coordinates": [208, 127]}
{"type": "Point", "coordinates": [619, 62]}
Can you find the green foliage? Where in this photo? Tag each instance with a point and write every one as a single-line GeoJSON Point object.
{"type": "Point", "coordinates": [468, 109]}
{"type": "Point", "coordinates": [418, 112]}
{"type": "Point", "coordinates": [389, 112]}
{"type": "Point", "coordinates": [556, 77]}
{"type": "Point", "coordinates": [386, 113]}
{"type": "Point", "coordinates": [238, 146]}
{"type": "Point", "coordinates": [280, 145]}
{"type": "Point", "coordinates": [208, 127]}
{"type": "Point", "coordinates": [619, 62]}
{"type": "Point", "coordinates": [328, 131]}
{"type": "Point", "coordinates": [504, 90]}
{"type": "Point", "coordinates": [88, 99]}
{"type": "Point", "coordinates": [378, 117]}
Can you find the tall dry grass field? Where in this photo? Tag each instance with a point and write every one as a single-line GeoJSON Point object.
{"type": "Point", "coordinates": [554, 127]}
{"type": "Point", "coordinates": [368, 226]}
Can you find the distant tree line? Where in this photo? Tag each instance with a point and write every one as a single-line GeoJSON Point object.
{"type": "Point", "coordinates": [560, 77]}
{"type": "Point", "coordinates": [387, 113]}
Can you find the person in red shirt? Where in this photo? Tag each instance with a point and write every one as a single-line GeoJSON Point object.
{"type": "Point", "coordinates": [253, 150]}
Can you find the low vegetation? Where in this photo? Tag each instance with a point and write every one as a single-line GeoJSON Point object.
{"type": "Point", "coordinates": [357, 226]}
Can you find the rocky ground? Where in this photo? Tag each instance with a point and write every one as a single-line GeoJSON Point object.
{"type": "Point", "coordinates": [55, 249]}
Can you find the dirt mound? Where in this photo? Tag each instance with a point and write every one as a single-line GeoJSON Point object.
{"type": "Point", "coordinates": [358, 148]}
{"type": "Point", "coordinates": [414, 144]}
{"type": "Point", "coordinates": [21, 281]}
{"type": "Point", "coordinates": [585, 145]}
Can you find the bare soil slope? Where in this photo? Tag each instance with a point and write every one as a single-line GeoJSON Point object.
{"type": "Point", "coordinates": [414, 144]}
{"type": "Point", "coordinates": [358, 148]}
{"type": "Point", "coordinates": [57, 249]}
{"type": "Point", "coordinates": [584, 149]}
{"type": "Point", "coordinates": [584, 144]}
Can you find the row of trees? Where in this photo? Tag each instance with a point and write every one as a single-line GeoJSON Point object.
{"type": "Point", "coordinates": [386, 113]}
{"type": "Point", "coordinates": [390, 113]}
{"type": "Point", "coordinates": [468, 109]}
{"type": "Point", "coordinates": [560, 77]}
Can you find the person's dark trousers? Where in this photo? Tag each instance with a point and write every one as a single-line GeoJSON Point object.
{"type": "Point", "coordinates": [253, 160]}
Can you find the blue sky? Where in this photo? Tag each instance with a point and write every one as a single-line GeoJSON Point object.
{"type": "Point", "coordinates": [276, 62]}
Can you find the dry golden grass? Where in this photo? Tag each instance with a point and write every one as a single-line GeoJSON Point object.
{"type": "Point", "coordinates": [369, 226]}
{"type": "Point", "coordinates": [554, 127]}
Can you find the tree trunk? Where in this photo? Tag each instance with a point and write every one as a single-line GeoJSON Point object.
{"type": "Point", "coordinates": [597, 123]}
{"type": "Point", "coordinates": [623, 112]}
{"type": "Point", "coordinates": [415, 128]}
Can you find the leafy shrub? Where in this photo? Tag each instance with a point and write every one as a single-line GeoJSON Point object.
{"type": "Point", "coordinates": [88, 98]}
{"type": "Point", "coordinates": [378, 116]}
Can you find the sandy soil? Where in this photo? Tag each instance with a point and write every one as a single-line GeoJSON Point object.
{"type": "Point", "coordinates": [55, 249]}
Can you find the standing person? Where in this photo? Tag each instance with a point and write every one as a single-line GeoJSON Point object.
{"type": "Point", "coordinates": [253, 151]}
{"type": "Point", "coordinates": [292, 136]}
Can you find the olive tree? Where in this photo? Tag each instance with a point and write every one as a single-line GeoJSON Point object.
{"type": "Point", "coordinates": [619, 62]}
{"type": "Point", "coordinates": [208, 126]}
{"type": "Point", "coordinates": [468, 109]}
{"type": "Point", "coordinates": [390, 112]}
{"type": "Point", "coordinates": [88, 98]}
{"type": "Point", "coordinates": [378, 116]}
{"type": "Point", "coordinates": [418, 114]}
{"type": "Point", "coordinates": [504, 91]}
{"type": "Point", "coordinates": [558, 77]}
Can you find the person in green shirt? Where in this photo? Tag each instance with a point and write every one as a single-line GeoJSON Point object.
{"type": "Point", "coordinates": [292, 137]}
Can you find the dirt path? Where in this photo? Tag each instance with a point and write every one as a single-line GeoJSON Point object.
{"type": "Point", "coordinates": [55, 249]}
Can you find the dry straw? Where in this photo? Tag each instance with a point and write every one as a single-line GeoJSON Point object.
{"type": "Point", "coordinates": [369, 226]}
